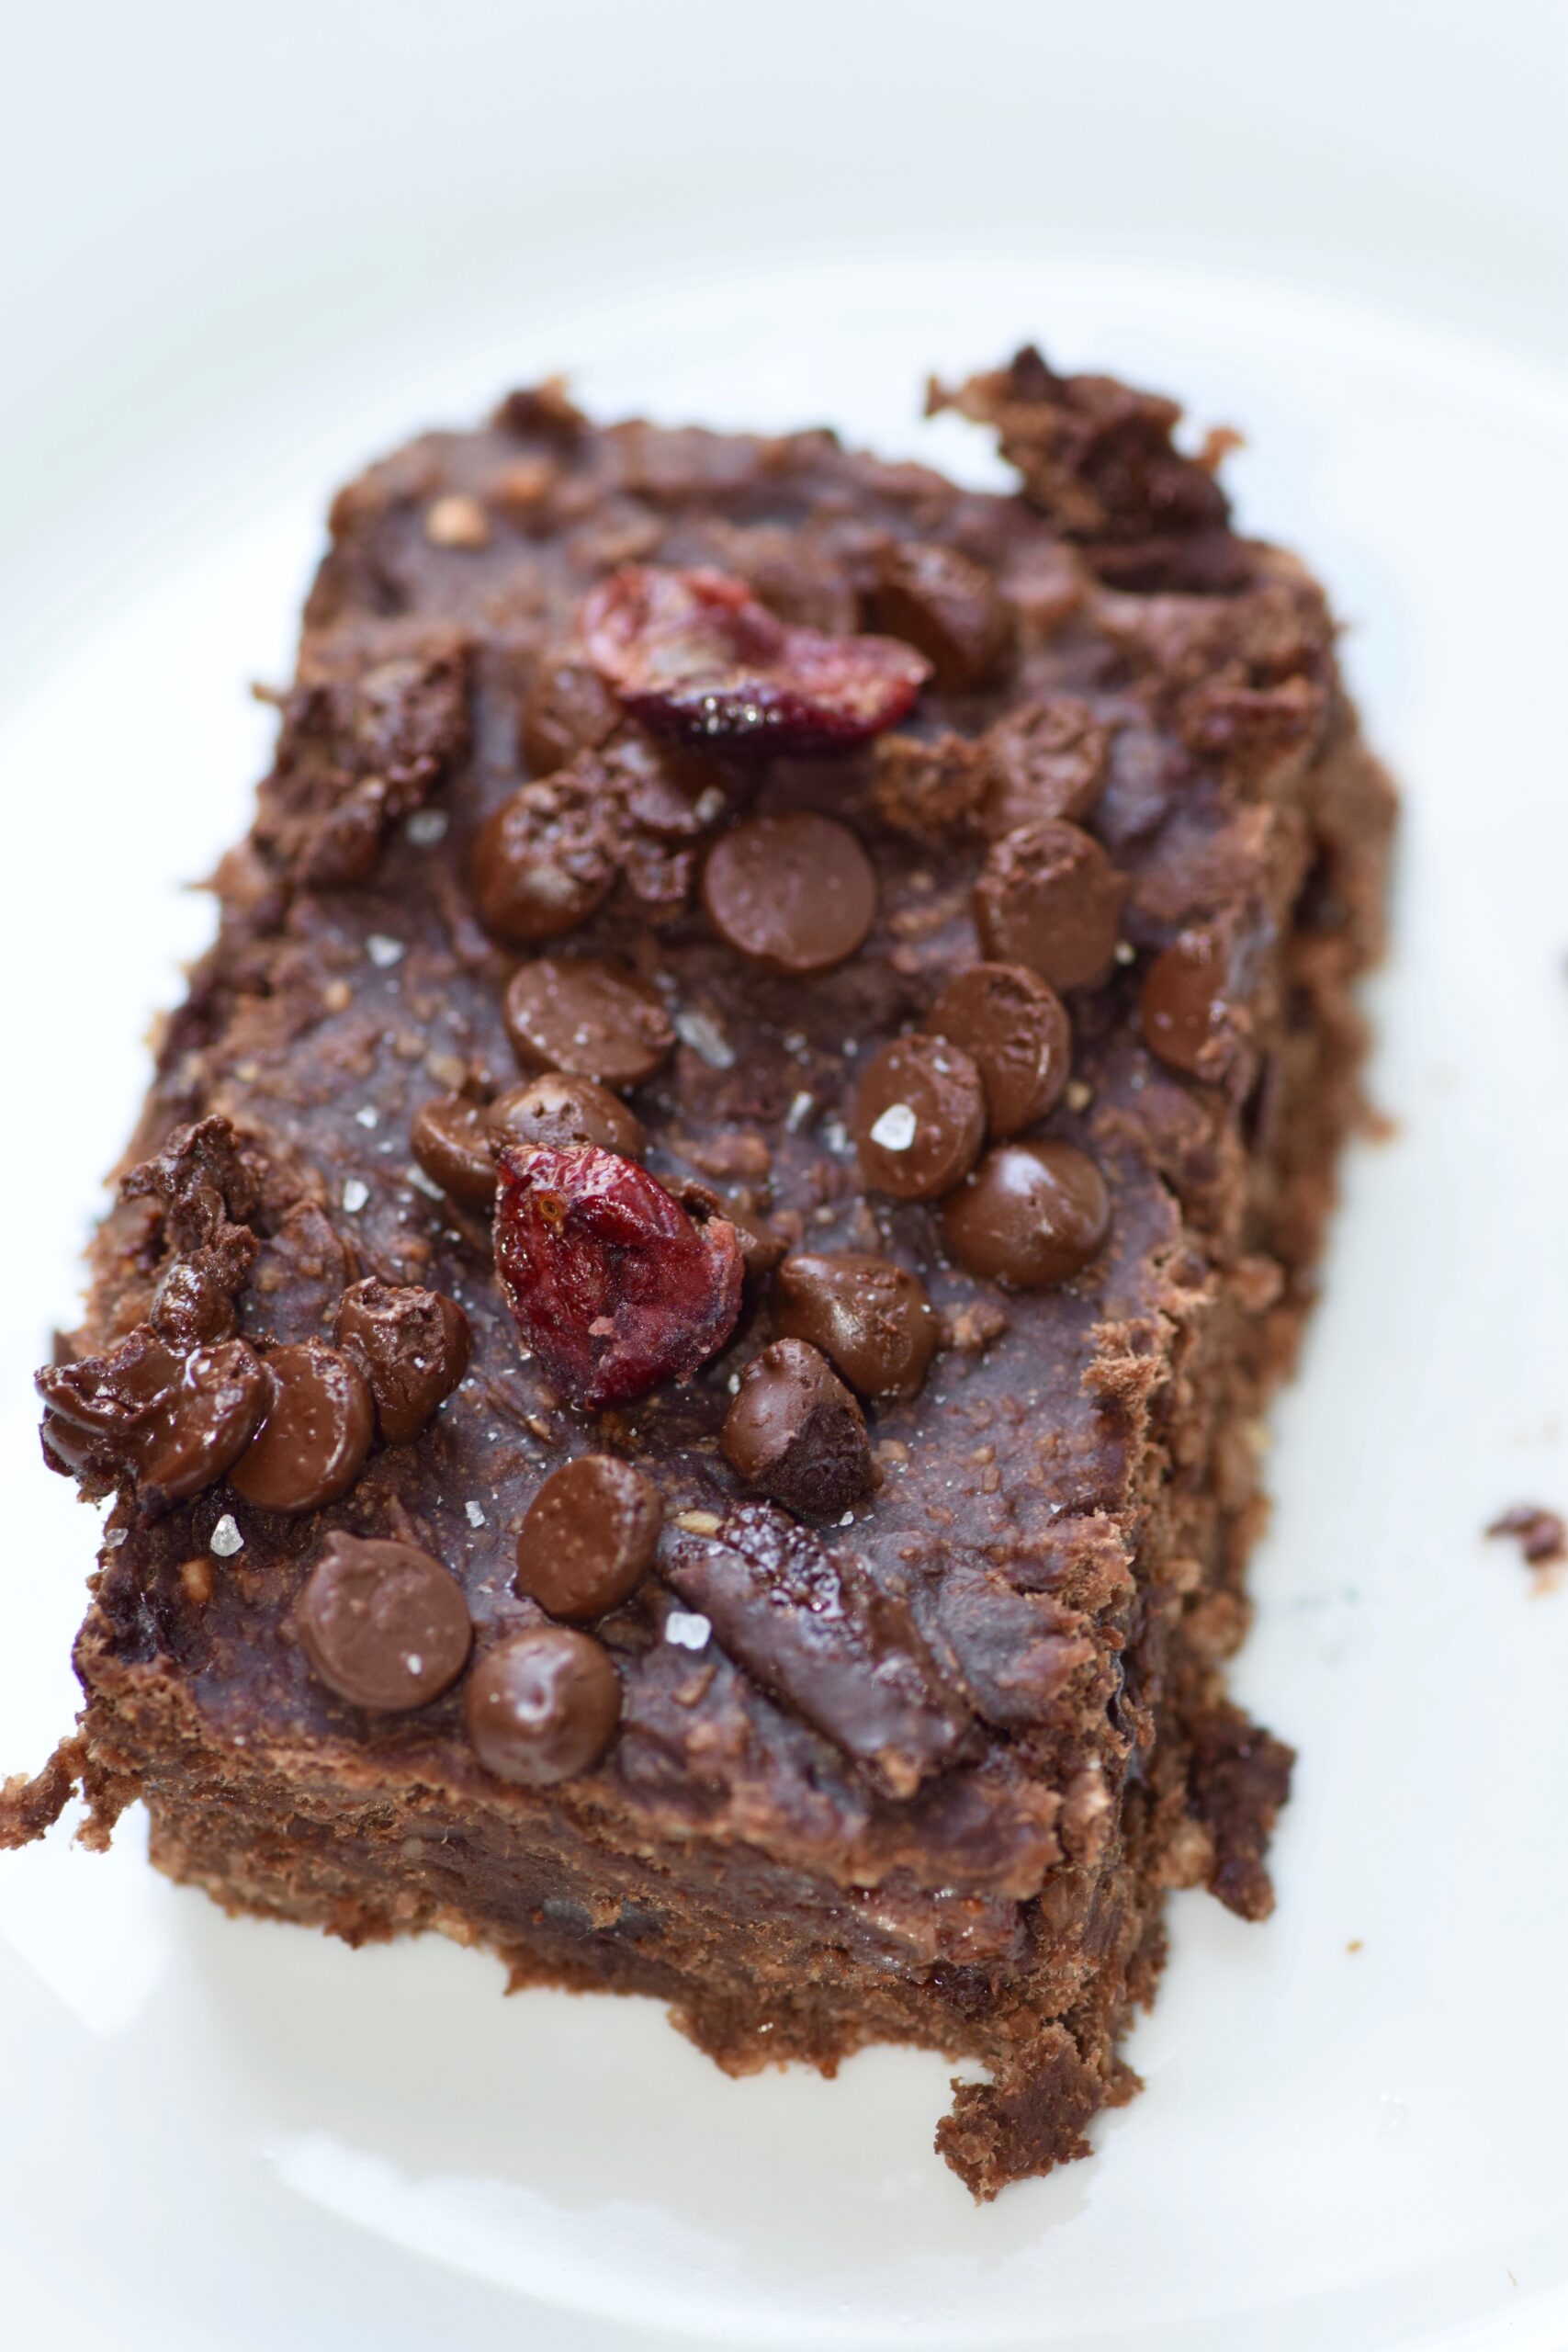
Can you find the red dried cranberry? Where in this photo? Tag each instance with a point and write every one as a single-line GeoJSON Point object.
{"type": "Point", "coordinates": [613, 1286]}
{"type": "Point", "coordinates": [693, 654]}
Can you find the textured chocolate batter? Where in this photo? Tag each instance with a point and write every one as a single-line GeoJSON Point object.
{"type": "Point", "coordinates": [922, 1395]}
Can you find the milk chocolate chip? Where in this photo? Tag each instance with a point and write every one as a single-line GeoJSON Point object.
{"type": "Point", "coordinates": [411, 1344]}
{"type": "Point", "coordinates": [1184, 1003]}
{"type": "Point", "coordinates": [173, 1419]}
{"type": "Point", "coordinates": [566, 709]}
{"type": "Point", "coordinates": [794, 1433]}
{"type": "Point", "coordinates": [937, 600]}
{"type": "Point", "coordinates": [566, 1113]}
{"type": "Point", "coordinates": [589, 1533]}
{"type": "Point", "coordinates": [450, 1137]}
{"type": "Point", "coordinates": [592, 1018]}
{"type": "Point", "coordinates": [873, 1318]}
{"type": "Point", "coordinates": [795, 894]}
{"type": "Point", "coordinates": [542, 1706]}
{"type": "Point", "coordinates": [1049, 897]}
{"type": "Point", "coordinates": [1015, 1030]}
{"type": "Point", "coordinates": [542, 863]}
{"type": "Point", "coordinates": [1032, 1214]}
{"type": "Point", "coordinates": [919, 1118]}
{"type": "Point", "coordinates": [382, 1623]}
{"type": "Point", "coordinates": [1048, 758]}
{"type": "Point", "coordinates": [312, 1444]}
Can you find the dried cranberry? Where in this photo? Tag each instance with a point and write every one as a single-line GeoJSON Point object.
{"type": "Point", "coordinates": [613, 1286]}
{"type": "Point", "coordinates": [693, 654]}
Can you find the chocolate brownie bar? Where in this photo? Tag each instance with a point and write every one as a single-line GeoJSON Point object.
{"type": "Point", "coordinates": [677, 1364]}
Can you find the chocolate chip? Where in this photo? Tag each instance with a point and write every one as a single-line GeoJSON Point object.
{"type": "Point", "coordinates": [1048, 896]}
{"type": "Point", "coordinates": [1047, 759]}
{"type": "Point", "coordinates": [566, 1113]}
{"type": "Point", "coordinates": [670, 792]}
{"type": "Point", "coordinates": [205, 1419]}
{"type": "Point", "coordinates": [450, 1137]}
{"type": "Point", "coordinates": [542, 864]}
{"type": "Point", "coordinates": [383, 1624]}
{"type": "Point", "coordinates": [794, 1433]}
{"type": "Point", "coordinates": [1184, 1003]}
{"type": "Point", "coordinates": [542, 1706]}
{"type": "Point", "coordinates": [1032, 1214]}
{"type": "Point", "coordinates": [795, 894]}
{"type": "Point", "coordinates": [170, 1418]}
{"type": "Point", "coordinates": [411, 1344]}
{"type": "Point", "coordinates": [589, 1533]}
{"type": "Point", "coordinates": [190, 1307]}
{"type": "Point", "coordinates": [566, 709]}
{"type": "Point", "coordinates": [1015, 1030]}
{"type": "Point", "coordinates": [936, 600]}
{"type": "Point", "coordinates": [312, 1444]}
{"type": "Point", "coordinates": [919, 1118]}
{"type": "Point", "coordinates": [592, 1018]}
{"type": "Point", "coordinates": [873, 1318]}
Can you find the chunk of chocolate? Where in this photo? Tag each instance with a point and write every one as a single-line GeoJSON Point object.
{"type": "Point", "coordinates": [382, 1623]}
{"type": "Point", "coordinates": [795, 894]}
{"type": "Point", "coordinates": [936, 599]}
{"type": "Point", "coordinates": [589, 1536]}
{"type": "Point", "coordinates": [542, 1706]}
{"type": "Point", "coordinates": [410, 1343]}
{"type": "Point", "coordinates": [795, 1432]}
{"type": "Point", "coordinates": [1031, 1215]}
{"type": "Point", "coordinates": [312, 1443]}
{"type": "Point", "coordinates": [588, 1018]}
{"type": "Point", "coordinates": [919, 1118]}
{"type": "Point", "coordinates": [816, 1630]}
{"type": "Point", "coordinates": [873, 1318]}
{"type": "Point", "coordinates": [1015, 1030]}
{"type": "Point", "coordinates": [1185, 1006]}
{"type": "Point", "coordinates": [544, 861]}
{"type": "Point", "coordinates": [1047, 759]}
{"type": "Point", "coordinates": [1049, 897]}
{"type": "Point", "coordinates": [568, 708]}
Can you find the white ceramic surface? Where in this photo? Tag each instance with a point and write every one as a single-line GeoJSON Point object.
{"type": "Point", "coordinates": [222, 2137]}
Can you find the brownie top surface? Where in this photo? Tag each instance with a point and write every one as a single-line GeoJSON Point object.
{"type": "Point", "coordinates": [880, 1626]}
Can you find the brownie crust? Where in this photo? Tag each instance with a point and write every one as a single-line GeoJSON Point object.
{"type": "Point", "coordinates": [918, 1765]}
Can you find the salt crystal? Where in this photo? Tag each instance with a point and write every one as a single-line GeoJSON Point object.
{"type": "Point", "coordinates": [895, 1131]}
{"type": "Point", "coordinates": [798, 1112]}
{"type": "Point", "coordinates": [355, 1195]}
{"type": "Point", "coordinates": [686, 1629]}
{"type": "Point", "coordinates": [426, 826]}
{"type": "Point", "coordinates": [706, 1039]}
{"type": "Point", "coordinates": [384, 952]}
{"type": "Point", "coordinates": [226, 1538]}
{"type": "Point", "coordinates": [476, 1516]}
{"type": "Point", "coordinates": [367, 1116]}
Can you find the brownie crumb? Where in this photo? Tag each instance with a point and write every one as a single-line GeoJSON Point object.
{"type": "Point", "coordinates": [1540, 1533]}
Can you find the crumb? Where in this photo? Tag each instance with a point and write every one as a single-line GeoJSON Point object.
{"type": "Point", "coordinates": [1541, 1536]}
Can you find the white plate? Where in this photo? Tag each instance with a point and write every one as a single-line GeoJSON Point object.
{"type": "Point", "coordinates": [220, 2137]}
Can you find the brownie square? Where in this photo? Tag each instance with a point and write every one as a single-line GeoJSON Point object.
{"type": "Point", "coordinates": [679, 1357]}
